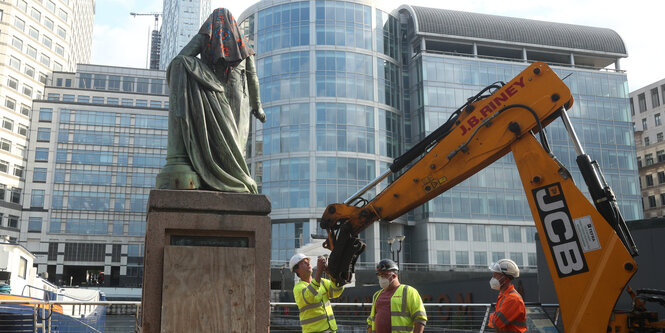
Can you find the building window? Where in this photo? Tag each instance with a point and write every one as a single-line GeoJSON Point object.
{"type": "Point", "coordinates": [15, 63]}
{"type": "Point", "coordinates": [461, 258]}
{"type": "Point", "coordinates": [642, 102]}
{"type": "Point", "coordinates": [39, 175]}
{"type": "Point", "coordinates": [479, 233]}
{"type": "Point", "coordinates": [498, 255]}
{"type": "Point", "coordinates": [5, 144]}
{"type": "Point", "coordinates": [649, 180]}
{"type": "Point", "coordinates": [62, 32]}
{"type": "Point", "coordinates": [496, 233]}
{"type": "Point", "coordinates": [655, 100]}
{"type": "Point", "coordinates": [12, 83]}
{"type": "Point", "coordinates": [155, 104]}
{"type": "Point", "coordinates": [480, 259]}
{"type": "Point", "coordinates": [35, 224]}
{"type": "Point", "coordinates": [141, 102]}
{"type": "Point", "coordinates": [46, 60]}
{"type": "Point", "coordinates": [62, 14]}
{"type": "Point", "coordinates": [652, 201]}
{"type": "Point", "coordinates": [17, 43]}
{"type": "Point", "coordinates": [22, 130]}
{"type": "Point", "coordinates": [460, 232]}
{"type": "Point", "coordinates": [19, 24]}
{"type": "Point", "coordinates": [127, 102]}
{"type": "Point", "coordinates": [3, 189]}
{"type": "Point", "coordinates": [441, 231]}
{"type": "Point", "coordinates": [639, 162]}
{"type": "Point", "coordinates": [41, 155]}
{"type": "Point", "coordinates": [47, 41]}
{"type": "Point", "coordinates": [662, 199]}
{"type": "Point", "coordinates": [656, 118]}
{"type": "Point", "coordinates": [27, 90]}
{"type": "Point", "coordinates": [52, 251]}
{"type": "Point", "coordinates": [661, 177]}
{"type": "Point", "coordinates": [514, 234]}
{"type": "Point", "coordinates": [36, 15]}
{"type": "Point", "coordinates": [22, 5]}
{"type": "Point", "coordinates": [8, 124]}
{"type": "Point", "coordinates": [29, 71]}
{"type": "Point", "coordinates": [18, 171]}
{"type": "Point", "coordinates": [632, 107]}
{"type": "Point", "coordinates": [112, 100]}
{"type": "Point", "coordinates": [10, 103]}
{"type": "Point", "coordinates": [15, 196]}
{"type": "Point", "coordinates": [443, 257]}
{"type": "Point", "coordinates": [659, 137]}
{"type": "Point", "coordinates": [12, 222]}
{"type": "Point", "coordinates": [43, 134]}
{"type": "Point", "coordinates": [99, 82]}
{"type": "Point", "coordinates": [22, 267]}
{"type": "Point", "coordinates": [25, 110]}
{"type": "Point", "coordinates": [20, 150]}
{"type": "Point", "coordinates": [50, 5]}
{"type": "Point", "coordinates": [31, 51]}
{"type": "Point", "coordinates": [46, 115]}
{"type": "Point", "coordinates": [646, 141]}
{"type": "Point", "coordinates": [37, 198]}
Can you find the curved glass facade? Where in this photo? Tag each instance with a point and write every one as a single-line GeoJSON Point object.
{"type": "Point", "coordinates": [344, 24]}
{"type": "Point", "coordinates": [283, 26]}
{"type": "Point", "coordinates": [332, 121]}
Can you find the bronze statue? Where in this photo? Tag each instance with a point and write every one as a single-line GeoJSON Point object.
{"type": "Point", "coordinates": [209, 106]}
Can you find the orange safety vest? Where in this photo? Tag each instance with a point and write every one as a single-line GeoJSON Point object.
{"type": "Point", "coordinates": [510, 314]}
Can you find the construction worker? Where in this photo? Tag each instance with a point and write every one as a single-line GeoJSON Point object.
{"type": "Point", "coordinates": [510, 314]}
{"type": "Point", "coordinates": [396, 307]}
{"type": "Point", "coordinates": [313, 295]}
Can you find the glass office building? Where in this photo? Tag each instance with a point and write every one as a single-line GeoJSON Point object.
{"type": "Point", "coordinates": [181, 21]}
{"type": "Point", "coordinates": [38, 37]}
{"type": "Point", "coordinates": [97, 141]}
{"type": "Point", "coordinates": [348, 85]}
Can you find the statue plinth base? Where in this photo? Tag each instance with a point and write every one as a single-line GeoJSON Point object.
{"type": "Point", "coordinates": [207, 262]}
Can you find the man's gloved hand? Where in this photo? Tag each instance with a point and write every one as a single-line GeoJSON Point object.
{"type": "Point", "coordinates": [259, 114]}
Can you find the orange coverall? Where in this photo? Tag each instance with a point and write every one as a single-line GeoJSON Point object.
{"type": "Point", "coordinates": [510, 314]}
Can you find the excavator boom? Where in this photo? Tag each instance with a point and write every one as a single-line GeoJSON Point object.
{"type": "Point", "coordinates": [583, 242]}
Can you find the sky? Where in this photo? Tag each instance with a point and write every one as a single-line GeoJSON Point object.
{"type": "Point", "coordinates": [122, 40]}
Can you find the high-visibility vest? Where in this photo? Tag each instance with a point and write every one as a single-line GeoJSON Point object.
{"type": "Point", "coordinates": [510, 314]}
{"type": "Point", "coordinates": [313, 300]}
{"type": "Point", "coordinates": [406, 309]}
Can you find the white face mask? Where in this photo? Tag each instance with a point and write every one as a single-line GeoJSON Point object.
{"type": "Point", "coordinates": [383, 282]}
{"type": "Point", "coordinates": [495, 284]}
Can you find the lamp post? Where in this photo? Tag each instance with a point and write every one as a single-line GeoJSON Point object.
{"type": "Point", "coordinates": [391, 240]}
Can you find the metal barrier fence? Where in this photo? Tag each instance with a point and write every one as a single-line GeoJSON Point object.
{"type": "Point", "coordinates": [19, 316]}
{"type": "Point", "coordinates": [124, 317]}
{"type": "Point", "coordinates": [444, 317]}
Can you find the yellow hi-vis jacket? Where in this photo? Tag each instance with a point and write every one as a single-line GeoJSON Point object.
{"type": "Point", "coordinates": [406, 309]}
{"type": "Point", "coordinates": [313, 300]}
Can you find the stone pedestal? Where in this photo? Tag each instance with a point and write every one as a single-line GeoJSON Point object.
{"type": "Point", "coordinates": [207, 262]}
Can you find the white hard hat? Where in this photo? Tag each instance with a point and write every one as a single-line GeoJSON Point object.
{"type": "Point", "coordinates": [505, 266]}
{"type": "Point", "coordinates": [298, 257]}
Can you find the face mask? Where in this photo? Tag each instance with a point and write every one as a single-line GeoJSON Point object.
{"type": "Point", "coordinates": [495, 284]}
{"type": "Point", "coordinates": [383, 282]}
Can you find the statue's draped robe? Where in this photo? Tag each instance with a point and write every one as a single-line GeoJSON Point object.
{"type": "Point", "coordinates": [212, 111]}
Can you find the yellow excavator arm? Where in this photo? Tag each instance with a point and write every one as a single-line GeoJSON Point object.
{"type": "Point", "coordinates": [588, 247]}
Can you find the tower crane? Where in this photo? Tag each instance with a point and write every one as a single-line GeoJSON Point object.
{"type": "Point", "coordinates": [155, 45]}
{"type": "Point", "coordinates": [157, 15]}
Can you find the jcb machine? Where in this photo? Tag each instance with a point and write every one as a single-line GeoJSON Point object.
{"type": "Point", "coordinates": [588, 247]}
